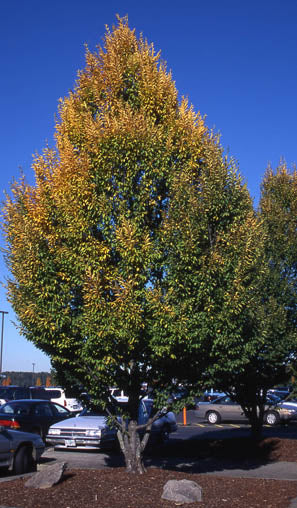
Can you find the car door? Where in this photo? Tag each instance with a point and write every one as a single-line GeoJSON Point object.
{"type": "Point", "coordinates": [5, 447]}
{"type": "Point", "coordinates": [228, 409]}
{"type": "Point", "coordinates": [44, 416]}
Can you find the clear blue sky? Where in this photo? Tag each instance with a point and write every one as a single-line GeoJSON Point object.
{"type": "Point", "coordinates": [234, 59]}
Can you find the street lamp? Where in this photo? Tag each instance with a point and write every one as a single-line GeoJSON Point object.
{"type": "Point", "coordinates": [1, 348]}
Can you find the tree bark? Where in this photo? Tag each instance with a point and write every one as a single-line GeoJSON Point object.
{"type": "Point", "coordinates": [132, 447]}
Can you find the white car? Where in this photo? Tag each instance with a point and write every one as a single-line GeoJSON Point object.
{"type": "Point", "coordinates": [58, 395]}
{"type": "Point", "coordinates": [19, 451]}
{"type": "Point", "coordinates": [90, 431]}
{"type": "Point", "coordinates": [118, 394]}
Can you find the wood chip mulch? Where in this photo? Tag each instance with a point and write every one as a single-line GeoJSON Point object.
{"type": "Point", "coordinates": [114, 488]}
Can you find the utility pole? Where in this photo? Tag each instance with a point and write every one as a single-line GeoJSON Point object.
{"type": "Point", "coordinates": [2, 329]}
{"type": "Point", "coordinates": [33, 365]}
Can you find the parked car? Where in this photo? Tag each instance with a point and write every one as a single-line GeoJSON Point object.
{"type": "Point", "coordinates": [19, 451]}
{"type": "Point", "coordinates": [60, 396]}
{"type": "Point", "coordinates": [212, 394]}
{"type": "Point", "coordinates": [90, 431]}
{"type": "Point", "coordinates": [281, 392]}
{"type": "Point", "coordinates": [290, 402]}
{"type": "Point", "coordinates": [32, 415]}
{"type": "Point", "coordinates": [224, 408]}
{"type": "Point", "coordinates": [118, 394]}
{"type": "Point", "coordinates": [13, 392]}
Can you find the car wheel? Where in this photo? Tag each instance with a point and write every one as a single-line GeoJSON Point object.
{"type": "Point", "coordinates": [23, 461]}
{"type": "Point", "coordinates": [272, 418]}
{"type": "Point", "coordinates": [213, 417]}
{"type": "Point", "coordinates": [163, 435]}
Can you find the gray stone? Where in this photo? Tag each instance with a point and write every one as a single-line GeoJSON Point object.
{"type": "Point", "coordinates": [48, 477]}
{"type": "Point", "coordinates": [182, 491]}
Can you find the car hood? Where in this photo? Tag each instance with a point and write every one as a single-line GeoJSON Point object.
{"type": "Point", "coordinates": [18, 436]}
{"type": "Point", "coordinates": [288, 405]}
{"type": "Point", "coordinates": [82, 422]}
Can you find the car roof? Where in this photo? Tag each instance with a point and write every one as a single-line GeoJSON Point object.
{"type": "Point", "coordinates": [29, 401]}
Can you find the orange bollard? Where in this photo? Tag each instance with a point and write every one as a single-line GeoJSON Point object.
{"type": "Point", "coordinates": [185, 416]}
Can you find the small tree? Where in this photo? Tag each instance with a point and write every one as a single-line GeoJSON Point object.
{"type": "Point", "coordinates": [230, 290]}
{"type": "Point", "coordinates": [267, 341]}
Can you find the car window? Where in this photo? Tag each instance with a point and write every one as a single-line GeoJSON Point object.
{"type": "Point", "coordinates": [43, 409]}
{"type": "Point", "coordinates": [117, 393]}
{"type": "Point", "coordinates": [93, 412]}
{"type": "Point", "coordinates": [39, 393]}
{"type": "Point", "coordinates": [54, 394]}
{"type": "Point", "coordinates": [21, 393]}
{"type": "Point", "coordinates": [14, 393]}
{"type": "Point", "coordinates": [60, 409]}
{"type": "Point", "coordinates": [7, 408]}
{"type": "Point", "coordinates": [223, 400]}
{"type": "Point", "coordinates": [21, 409]}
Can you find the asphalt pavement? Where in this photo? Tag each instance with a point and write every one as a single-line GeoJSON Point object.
{"type": "Point", "coordinates": [189, 429]}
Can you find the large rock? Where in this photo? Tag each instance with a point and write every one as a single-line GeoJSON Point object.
{"type": "Point", "coordinates": [182, 491]}
{"type": "Point", "coordinates": [48, 477]}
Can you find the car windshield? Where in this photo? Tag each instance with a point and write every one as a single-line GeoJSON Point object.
{"type": "Point", "coordinates": [93, 412]}
{"type": "Point", "coordinates": [273, 399]}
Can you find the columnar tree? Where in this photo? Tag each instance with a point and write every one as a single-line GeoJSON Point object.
{"type": "Point", "coordinates": [278, 210]}
{"type": "Point", "coordinates": [230, 290]}
{"type": "Point", "coordinates": [133, 257]}
{"type": "Point", "coordinates": [85, 243]}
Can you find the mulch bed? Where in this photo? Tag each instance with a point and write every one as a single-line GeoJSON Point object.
{"type": "Point", "coordinates": [114, 488]}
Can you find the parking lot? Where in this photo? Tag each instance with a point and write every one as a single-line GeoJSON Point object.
{"type": "Point", "coordinates": [195, 429]}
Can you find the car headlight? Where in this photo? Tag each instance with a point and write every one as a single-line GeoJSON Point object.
{"type": "Point", "coordinates": [93, 433]}
{"type": "Point", "coordinates": [287, 411]}
{"type": "Point", "coordinates": [54, 432]}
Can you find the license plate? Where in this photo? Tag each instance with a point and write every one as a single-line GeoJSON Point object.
{"type": "Point", "coordinates": [70, 442]}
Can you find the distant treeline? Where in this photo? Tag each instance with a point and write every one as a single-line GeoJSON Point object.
{"type": "Point", "coordinates": [27, 378]}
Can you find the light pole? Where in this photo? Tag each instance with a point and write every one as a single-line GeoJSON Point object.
{"type": "Point", "coordinates": [1, 348]}
{"type": "Point", "coordinates": [33, 365]}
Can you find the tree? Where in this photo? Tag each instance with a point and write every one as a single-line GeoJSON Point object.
{"type": "Point", "coordinates": [6, 381]}
{"type": "Point", "coordinates": [84, 245]}
{"type": "Point", "coordinates": [278, 210]}
{"type": "Point", "coordinates": [227, 283]}
{"type": "Point", "coordinates": [266, 345]}
{"type": "Point", "coordinates": [133, 257]}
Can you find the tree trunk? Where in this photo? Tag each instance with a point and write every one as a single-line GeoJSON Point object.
{"type": "Point", "coordinates": [255, 414]}
{"type": "Point", "coordinates": [132, 447]}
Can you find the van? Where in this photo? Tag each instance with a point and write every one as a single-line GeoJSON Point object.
{"type": "Point", "coordinates": [58, 395]}
{"type": "Point", "coordinates": [13, 392]}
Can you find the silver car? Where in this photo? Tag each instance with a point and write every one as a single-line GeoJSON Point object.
{"type": "Point", "coordinates": [224, 408]}
{"type": "Point", "coordinates": [90, 431]}
{"type": "Point", "coordinates": [19, 451]}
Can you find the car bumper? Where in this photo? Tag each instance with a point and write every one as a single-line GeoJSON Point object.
{"type": "Point", "coordinates": [74, 444]}
{"type": "Point", "coordinates": [287, 418]}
